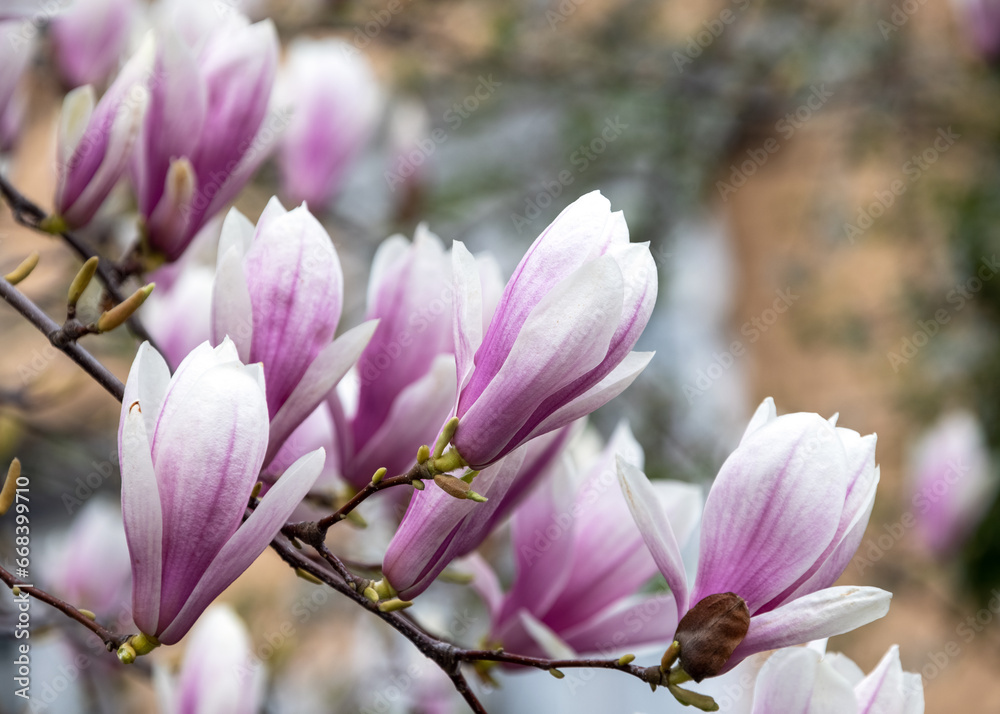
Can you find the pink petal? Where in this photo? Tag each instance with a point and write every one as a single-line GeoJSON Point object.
{"type": "Point", "coordinates": [468, 308]}
{"type": "Point", "coordinates": [322, 375]}
{"type": "Point", "coordinates": [773, 510]}
{"type": "Point", "coordinates": [565, 337]}
{"type": "Point", "coordinates": [249, 541]}
{"type": "Point", "coordinates": [826, 613]}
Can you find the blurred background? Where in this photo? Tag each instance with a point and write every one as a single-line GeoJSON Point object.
{"type": "Point", "coordinates": [820, 186]}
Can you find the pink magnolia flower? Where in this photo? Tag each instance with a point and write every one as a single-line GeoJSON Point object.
{"type": "Point", "coordinates": [89, 38]}
{"type": "Point", "coordinates": [559, 345]}
{"type": "Point", "coordinates": [981, 21]}
{"type": "Point", "coordinates": [219, 674]}
{"type": "Point", "coordinates": [16, 52]}
{"type": "Point", "coordinates": [191, 448]}
{"type": "Point", "coordinates": [437, 527]}
{"type": "Point", "coordinates": [407, 371]}
{"type": "Point", "coordinates": [94, 143]}
{"type": "Point", "coordinates": [204, 133]}
{"type": "Point", "coordinates": [802, 680]}
{"type": "Point", "coordinates": [278, 295]}
{"type": "Point", "coordinates": [783, 519]}
{"type": "Point", "coordinates": [581, 561]}
{"type": "Point", "coordinates": [179, 312]}
{"type": "Point", "coordinates": [336, 103]}
{"type": "Point", "coordinates": [951, 482]}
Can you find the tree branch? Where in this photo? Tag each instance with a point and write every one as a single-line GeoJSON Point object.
{"type": "Point", "coordinates": [111, 640]}
{"type": "Point", "coordinates": [30, 215]}
{"type": "Point", "coordinates": [52, 330]}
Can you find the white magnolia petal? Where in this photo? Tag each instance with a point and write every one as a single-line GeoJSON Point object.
{"type": "Point", "coordinates": [656, 531]}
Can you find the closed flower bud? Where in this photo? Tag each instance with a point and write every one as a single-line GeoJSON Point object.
{"type": "Point", "coordinates": [560, 342]}
{"type": "Point", "coordinates": [205, 131]}
{"type": "Point", "coordinates": [278, 294]}
{"type": "Point", "coordinates": [191, 448]}
{"type": "Point", "coordinates": [95, 142]}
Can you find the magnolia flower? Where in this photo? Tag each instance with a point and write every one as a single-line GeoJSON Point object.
{"type": "Point", "coordinates": [336, 102]}
{"type": "Point", "coordinates": [89, 37]}
{"type": "Point", "coordinates": [191, 447]}
{"type": "Point", "coordinates": [219, 674]}
{"type": "Point", "coordinates": [981, 21]}
{"type": "Point", "coordinates": [951, 481]}
{"type": "Point", "coordinates": [278, 295]}
{"type": "Point", "coordinates": [204, 133]}
{"type": "Point", "coordinates": [179, 314]}
{"type": "Point", "coordinates": [782, 520]}
{"type": "Point", "coordinates": [802, 680]}
{"type": "Point", "coordinates": [94, 143]}
{"type": "Point", "coordinates": [559, 345]}
{"type": "Point", "coordinates": [407, 371]}
{"type": "Point", "coordinates": [580, 563]}
{"type": "Point", "coordinates": [89, 565]}
{"type": "Point", "coordinates": [438, 527]}
{"type": "Point", "coordinates": [15, 57]}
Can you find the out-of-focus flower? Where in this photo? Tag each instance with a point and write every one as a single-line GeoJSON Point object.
{"type": "Point", "coordinates": [278, 295]}
{"type": "Point", "coordinates": [801, 680]}
{"type": "Point", "coordinates": [179, 315]}
{"type": "Point", "coordinates": [90, 565]}
{"type": "Point", "coordinates": [784, 517]}
{"type": "Point", "coordinates": [580, 562]}
{"type": "Point", "coordinates": [89, 37]}
{"type": "Point", "coordinates": [336, 103]}
{"type": "Point", "coordinates": [204, 133]}
{"type": "Point", "coordinates": [439, 527]}
{"type": "Point", "coordinates": [191, 447]}
{"type": "Point", "coordinates": [407, 371]}
{"type": "Point", "coordinates": [15, 56]}
{"type": "Point", "coordinates": [559, 345]}
{"type": "Point", "coordinates": [951, 482]}
{"type": "Point", "coordinates": [94, 143]}
{"type": "Point", "coordinates": [981, 21]}
{"type": "Point", "coordinates": [219, 674]}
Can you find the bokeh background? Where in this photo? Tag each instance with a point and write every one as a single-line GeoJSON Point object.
{"type": "Point", "coordinates": [820, 186]}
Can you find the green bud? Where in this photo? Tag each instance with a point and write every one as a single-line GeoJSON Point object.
{"type": "Point", "coordinates": [23, 270]}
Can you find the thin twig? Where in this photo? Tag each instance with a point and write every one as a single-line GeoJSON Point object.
{"type": "Point", "coordinates": [54, 332]}
{"type": "Point", "coordinates": [419, 471]}
{"type": "Point", "coordinates": [111, 640]}
{"type": "Point", "coordinates": [30, 215]}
